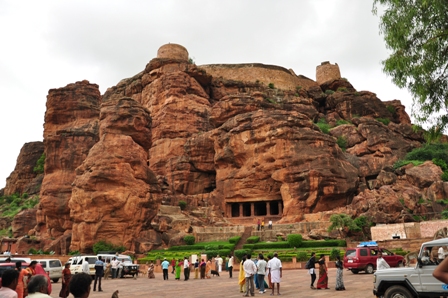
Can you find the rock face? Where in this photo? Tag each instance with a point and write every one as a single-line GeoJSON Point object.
{"type": "Point", "coordinates": [70, 130]}
{"type": "Point", "coordinates": [23, 179]}
{"type": "Point", "coordinates": [233, 142]}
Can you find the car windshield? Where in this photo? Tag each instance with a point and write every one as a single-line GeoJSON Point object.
{"type": "Point", "coordinates": [350, 253]}
{"type": "Point", "coordinates": [125, 259]}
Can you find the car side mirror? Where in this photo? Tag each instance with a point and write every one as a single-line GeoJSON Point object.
{"type": "Point", "coordinates": [419, 262]}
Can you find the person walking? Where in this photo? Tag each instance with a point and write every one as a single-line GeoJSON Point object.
{"type": "Point", "coordinates": [99, 271]}
{"type": "Point", "coordinates": [381, 262]}
{"type": "Point", "coordinates": [249, 271]}
{"type": "Point", "coordinates": [196, 269]}
{"type": "Point", "coordinates": [230, 265]}
{"type": "Point", "coordinates": [108, 269]}
{"type": "Point", "coordinates": [322, 282]}
{"type": "Point", "coordinates": [151, 270]}
{"type": "Point", "coordinates": [275, 269]}
{"type": "Point", "coordinates": [114, 266]}
{"type": "Point", "coordinates": [219, 263]}
{"type": "Point", "coordinates": [242, 276]}
{"type": "Point", "coordinates": [66, 276]}
{"type": "Point", "coordinates": [312, 269]}
{"type": "Point", "coordinates": [186, 269]}
{"type": "Point", "coordinates": [208, 269]}
{"type": "Point", "coordinates": [202, 267]}
{"type": "Point", "coordinates": [165, 265]}
{"type": "Point", "coordinates": [339, 276]}
{"type": "Point", "coordinates": [261, 271]}
{"type": "Point", "coordinates": [179, 266]}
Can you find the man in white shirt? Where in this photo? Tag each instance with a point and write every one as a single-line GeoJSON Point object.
{"type": "Point", "coordinates": [219, 261]}
{"type": "Point", "coordinates": [114, 266]}
{"type": "Point", "coordinates": [261, 272]}
{"type": "Point", "coordinates": [186, 269]}
{"type": "Point", "coordinates": [275, 269]}
{"type": "Point", "coordinates": [249, 270]}
{"type": "Point", "coordinates": [85, 266]}
{"type": "Point", "coordinates": [380, 262]}
{"type": "Point", "coordinates": [10, 279]}
{"type": "Point", "coordinates": [230, 265]}
{"type": "Point", "coordinates": [441, 254]}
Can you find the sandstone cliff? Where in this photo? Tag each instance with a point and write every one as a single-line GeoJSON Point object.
{"type": "Point", "coordinates": [233, 141]}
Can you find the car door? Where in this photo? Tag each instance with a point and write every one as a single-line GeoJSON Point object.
{"type": "Point", "coordinates": [429, 283]}
{"type": "Point", "coordinates": [389, 257]}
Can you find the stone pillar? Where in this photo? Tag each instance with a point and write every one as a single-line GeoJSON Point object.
{"type": "Point", "coordinates": [241, 210]}
{"type": "Point", "coordinates": [268, 208]}
{"type": "Point", "coordinates": [280, 209]}
{"type": "Point", "coordinates": [252, 209]}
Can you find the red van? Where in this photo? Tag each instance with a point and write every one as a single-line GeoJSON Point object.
{"type": "Point", "coordinates": [364, 259]}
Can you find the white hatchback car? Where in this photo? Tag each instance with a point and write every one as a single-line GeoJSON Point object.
{"type": "Point", "coordinates": [53, 267]}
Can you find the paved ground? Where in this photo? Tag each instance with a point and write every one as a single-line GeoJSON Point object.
{"type": "Point", "coordinates": [295, 283]}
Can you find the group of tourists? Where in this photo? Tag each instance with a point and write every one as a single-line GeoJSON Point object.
{"type": "Point", "coordinates": [322, 282]}
{"type": "Point", "coordinates": [260, 224]}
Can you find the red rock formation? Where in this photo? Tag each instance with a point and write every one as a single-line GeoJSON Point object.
{"type": "Point", "coordinates": [24, 222]}
{"type": "Point", "coordinates": [70, 130]}
{"type": "Point", "coordinates": [23, 179]}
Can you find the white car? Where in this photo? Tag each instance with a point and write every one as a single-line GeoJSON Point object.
{"type": "Point", "coordinates": [76, 264]}
{"type": "Point", "coordinates": [53, 267]}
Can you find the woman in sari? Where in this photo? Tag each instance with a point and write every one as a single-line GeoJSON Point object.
{"type": "Point", "coordinates": [269, 276]}
{"type": "Point", "coordinates": [38, 269]}
{"type": "Point", "coordinates": [202, 267]}
{"type": "Point", "coordinates": [151, 270]}
{"type": "Point", "coordinates": [23, 278]}
{"type": "Point", "coordinates": [66, 276]}
{"type": "Point", "coordinates": [179, 265]}
{"type": "Point", "coordinates": [242, 276]}
{"type": "Point", "coordinates": [208, 269]}
{"type": "Point", "coordinates": [339, 280]}
{"type": "Point", "coordinates": [322, 282]}
{"type": "Point", "coordinates": [108, 269]}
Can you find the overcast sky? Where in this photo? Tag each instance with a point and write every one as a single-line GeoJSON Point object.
{"type": "Point", "coordinates": [49, 44]}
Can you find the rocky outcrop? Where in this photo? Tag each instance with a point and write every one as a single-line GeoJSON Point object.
{"type": "Point", "coordinates": [24, 179]}
{"type": "Point", "coordinates": [70, 130]}
{"type": "Point", "coordinates": [24, 222]}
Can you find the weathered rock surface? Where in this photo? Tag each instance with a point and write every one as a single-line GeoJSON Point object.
{"type": "Point", "coordinates": [23, 179]}
{"type": "Point", "coordinates": [70, 130]}
{"type": "Point", "coordinates": [24, 222]}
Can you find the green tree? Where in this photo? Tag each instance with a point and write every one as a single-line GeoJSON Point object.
{"type": "Point", "coordinates": [341, 223]}
{"type": "Point", "coordinates": [417, 33]}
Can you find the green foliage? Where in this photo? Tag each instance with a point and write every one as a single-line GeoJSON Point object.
{"type": "Point", "coordinates": [74, 252]}
{"type": "Point", "coordinates": [342, 121]}
{"type": "Point", "coordinates": [103, 245]}
{"type": "Point", "coordinates": [302, 256]}
{"type": "Point", "coordinates": [429, 152]}
{"type": "Point", "coordinates": [326, 243]}
{"type": "Point", "coordinates": [401, 163]}
{"type": "Point", "coordinates": [342, 143]}
{"type": "Point", "coordinates": [191, 60]}
{"type": "Point", "coordinates": [334, 253]}
{"type": "Point", "coordinates": [32, 251]}
{"type": "Point", "coordinates": [444, 214]}
{"type": "Point", "coordinates": [6, 232]}
{"type": "Point", "coordinates": [416, 33]}
{"type": "Point", "coordinates": [239, 253]}
{"type": "Point", "coordinates": [341, 222]}
{"type": "Point", "coordinates": [253, 239]}
{"type": "Point", "coordinates": [401, 200]}
{"type": "Point", "coordinates": [189, 239]}
{"type": "Point", "coordinates": [182, 205]}
{"type": "Point", "coordinates": [391, 109]}
{"type": "Point", "coordinates": [362, 222]}
{"type": "Point", "coordinates": [441, 163]}
{"type": "Point", "coordinates": [271, 86]}
{"type": "Point", "coordinates": [269, 245]}
{"type": "Point", "coordinates": [294, 240]}
{"type": "Point", "coordinates": [323, 125]}
{"type": "Point", "coordinates": [271, 100]}
{"type": "Point", "coordinates": [13, 204]}
{"type": "Point", "coordinates": [385, 121]}
{"type": "Point", "coordinates": [444, 176]}
{"type": "Point", "coordinates": [329, 92]}
{"type": "Point", "coordinates": [442, 202]}
{"type": "Point", "coordinates": [342, 89]}
{"type": "Point", "coordinates": [298, 88]}
{"type": "Point", "coordinates": [39, 168]}
{"type": "Point", "coordinates": [234, 239]}
{"type": "Point", "coordinates": [248, 246]}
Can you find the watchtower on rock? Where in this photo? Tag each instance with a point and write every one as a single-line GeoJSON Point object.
{"type": "Point", "coordinates": [173, 51]}
{"type": "Point", "coordinates": [326, 72]}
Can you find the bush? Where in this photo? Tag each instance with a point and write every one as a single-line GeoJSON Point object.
{"type": "Point", "coordinates": [182, 205]}
{"type": "Point", "coordinates": [253, 239]}
{"type": "Point", "coordinates": [391, 109]}
{"type": "Point", "coordinates": [248, 246]}
{"type": "Point", "coordinates": [295, 240]}
{"type": "Point", "coordinates": [234, 239]}
{"type": "Point", "coordinates": [329, 92]}
{"type": "Point", "coordinates": [342, 143]}
{"type": "Point", "coordinates": [437, 161]}
{"type": "Point", "coordinates": [334, 253]}
{"type": "Point", "coordinates": [385, 121]}
{"type": "Point", "coordinates": [39, 168]}
{"type": "Point", "coordinates": [401, 163]}
{"type": "Point", "coordinates": [271, 85]}
{"type": "Point", "coordinates": [444, 176]}
{"type": "Point", "coordinates": [342, 89]}
{"type": "Point", "coordinates": [302, 256]}
{"type": "Point", "coordinates": [239, 253]}
{"type": "Point", "coordinates": [267, 245]}
{"type": "Point", "coordinates": [323, 126]}
{"type": "Point", "coordinates": [325, 243]}
{"type": "Point", "coordinates": [429, 152]}
{"type": "Point", "coordinates": [107, 246]}
{"type": "Point", "coordinates": [189, 239]}
{"type": "Point", "coordinates": [342, 122]}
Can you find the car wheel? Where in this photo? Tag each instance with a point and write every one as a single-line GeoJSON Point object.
{"type": "Point", "coordinates": [355, 271]}
{"type": "Point", "coordinates": [55, 280]}
{"type": "Point", "coordinates": [369, 269]}
{"type": "Point", "coordinates": [397, 292]}
{"type": "Point", "coordinates": [400, 264]}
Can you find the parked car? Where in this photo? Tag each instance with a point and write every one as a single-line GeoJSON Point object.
{"type": "Point", "coordinates": [416, 281]}
{"type": "Point", "coordinates": [363, 258]}
{"type": "Point", "coordinates": [6, 266]}
{"type": "Point", "coordinates": [53, 267]}
{"type": "Point", "coordinates": [76, 264]}
{"type": "Point", "coordinates": [128, 267]}
{"type": "Point", "coordinates": [15, 259]}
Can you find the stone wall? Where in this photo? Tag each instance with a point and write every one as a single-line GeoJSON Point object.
{"type": "Point", "coordinates": [405, 244]}
{"type": "Point", "coordinates": [326, 72]}
{"type": "Point", "coordinates": [204, 234]}
{"type": "Point", "coordinates": [173, 51]}
{"type": "Point", "coordinates": [256, 72]}
{"type": "Point", "coordinates": [411, 230]}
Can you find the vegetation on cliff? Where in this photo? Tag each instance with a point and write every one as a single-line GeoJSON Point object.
{"type": "Point", "coordinates": [13, 204]}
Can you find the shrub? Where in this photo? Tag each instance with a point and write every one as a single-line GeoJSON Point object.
{"type": "Point", "coordinates": [429, 152]}
{"type": "Point", "coordinates": [74, 252]}
{"type": "Point", "coordinates": [325, 243]}
{"type": "Point", "coordinates": [253, 239]}
{"type": "Point", "coordinates": [391, 110]}
{"type": "Point", "coordinates": [342, 122]}
{"type": "Point", "coordinates": [32, 251]}
{"type": "Point", "coordinates": [437, 161]}
{"type": "Point", "coordinates": [267, 245]}
{"type": "Point", "coordinates": [342, 89]}
{"type": "Point", "coordinates": [248, 246]}
{"type": "Point", "coordinates": [39, 168]}
{"type": "Point", "coordinates": [234, 239]}
{"type": "Point", "coordinates": [189, 239]}
{"type": "Point", "coordinates": [444, 176]}
{"type": "Point", "coordinates": [334, 253]}
{"type": "Point", "coordinates": [295, 240]}
{"type": "Point", "coordinates": [106, 246]}
{"type": "Point", "coordinates": [329, 92]}
{"type": "Point", "coordinates": [182, 205]}
{"type": "Point", "coordinates": [444, 214]}
{"type": "Point", "coordinates": [342, 143]}
{"type": "Point", "coordinates": [401, 163]}
{"type": "Point", "coordinates": [385, 121]}
{"type": "Point", "coordinates": [271, 85]}
{"type": "Point", "coordinates": [302, 256]}
{"type": "Point", "coordinates": [323, 125]}
{"type": "Point", "coordinates": [239, 253]}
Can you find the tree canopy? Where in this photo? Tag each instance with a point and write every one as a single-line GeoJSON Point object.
{"type": "Point", "coordinates": [417, 33]}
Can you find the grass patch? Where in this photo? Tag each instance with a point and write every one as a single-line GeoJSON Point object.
{"type": "Point", "coordinates": [342, 122]}
{"type": "Point", "coordinates": [329, 92]}
{"type": "Point", "coordinates": [342, 143]}
{"type": "Point", "coordinates": [323, 126]}
{"type": "Point", "coordinates": [13, 204]}
{"type": "Point", "coordinates": [385, 121]}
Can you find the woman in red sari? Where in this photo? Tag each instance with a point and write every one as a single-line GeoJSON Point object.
{"type": "Point", "coordinates": [23, 278]}
{"type": "Point", "coordinates": [66, 275]}
{"type": "Point", "coordinates": [38, 269]}
{"type": "Point", "coordinates": [322, 282]}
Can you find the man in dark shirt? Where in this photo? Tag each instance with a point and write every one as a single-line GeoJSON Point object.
{"type": "Point", "coordinates": [99, 271]}
{"type": "Point", "coordinates": [312, 269]}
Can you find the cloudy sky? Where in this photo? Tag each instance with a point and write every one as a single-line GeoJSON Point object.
{"type": "Point", "coordinates": [49, 44]}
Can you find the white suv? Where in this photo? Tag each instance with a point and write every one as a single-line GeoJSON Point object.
{"type": "Point", "coordinates": [409, 282]}
{"type": "Point", "coordinates": [76, 264]}
{"type": "Point", "coordinates": [53, 267]}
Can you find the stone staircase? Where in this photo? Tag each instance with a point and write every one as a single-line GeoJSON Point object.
{"type": "Point", "coordinates": [246, 234]}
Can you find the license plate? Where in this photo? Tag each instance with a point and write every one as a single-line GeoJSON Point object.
{"type": "Point", "coordinates": [350, 261]}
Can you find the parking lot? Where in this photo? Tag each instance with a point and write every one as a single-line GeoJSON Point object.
{"type": "Point", "coordinates": [295, 283]}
